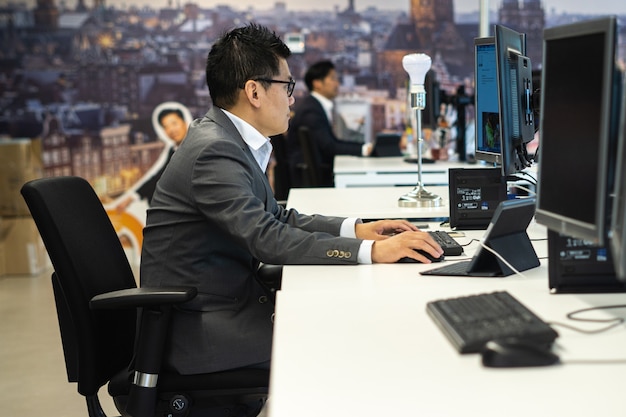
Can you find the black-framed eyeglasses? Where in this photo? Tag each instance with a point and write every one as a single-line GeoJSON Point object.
{"type": "Point", "coordinates": [291, 84]}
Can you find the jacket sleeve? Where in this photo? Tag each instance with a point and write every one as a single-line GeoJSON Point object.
{"type": "Point", "coordinates": [233, 194]}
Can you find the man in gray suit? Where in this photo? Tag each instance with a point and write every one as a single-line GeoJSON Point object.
{"type": "Point", "coordinates": [214, 218]}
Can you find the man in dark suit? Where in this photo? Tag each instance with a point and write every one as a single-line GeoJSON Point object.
{"type": "Point", "coordinates": [214, 218]}
{"type": "Point", "coordinates": [315, 112]}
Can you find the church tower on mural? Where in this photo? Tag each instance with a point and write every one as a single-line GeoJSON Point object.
{"type": "Point", "coordinates": [428, 15]}
{"type": "Point", "coordinates": [46, 15]}
{"type": "Point", "coordinates": [431, 30]}
{"type": "Point", "coordinates": [525, 16]}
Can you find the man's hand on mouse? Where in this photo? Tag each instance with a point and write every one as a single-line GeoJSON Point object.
{"type": "Point", "coordinates": [406, 245]}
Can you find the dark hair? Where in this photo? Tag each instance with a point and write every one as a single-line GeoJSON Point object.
{"type": "Point", "coordinates": [245, 53]}
{"type": "Point", "coordinates": [166, 112]}
{"type": "Point", "coordinates": [317, 71]}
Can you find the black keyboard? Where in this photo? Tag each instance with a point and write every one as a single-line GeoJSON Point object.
{"type": "Point", "coordinates": [450, 246]}
{"type": "Point", "coordinates": [469, 322]}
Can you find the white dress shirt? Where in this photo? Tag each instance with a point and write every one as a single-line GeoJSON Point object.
{"type": "Point", "coordinates": [261, 148]}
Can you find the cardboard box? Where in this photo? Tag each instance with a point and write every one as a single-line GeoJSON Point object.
{"type": "Point", "coordinates": [24, 252]}
{"type": "Point", "coordinates": [2, 260]}
{"type": "Point", "coordinates": [20, 161]}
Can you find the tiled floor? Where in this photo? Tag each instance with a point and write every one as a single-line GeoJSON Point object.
{"type": "Point", "coordinates": [33, 382]}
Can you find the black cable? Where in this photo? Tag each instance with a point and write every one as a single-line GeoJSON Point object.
{"type": "Point", "coordinates": [517, 177]}
{"type": "Point", "coordinates": [470, 242]}
{"type": "Point", "coordinates": [614, 322]}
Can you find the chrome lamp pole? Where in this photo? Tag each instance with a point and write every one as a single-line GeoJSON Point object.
{"type": "Point", "coordinates": [417, 65]}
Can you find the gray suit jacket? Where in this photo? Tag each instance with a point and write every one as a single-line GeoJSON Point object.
{"type": "Point", "coordinates": [213, 218]}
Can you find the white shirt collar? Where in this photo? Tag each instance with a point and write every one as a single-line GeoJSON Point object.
{"type": "Point", "coordinates": [259, 145]}
{"type": "Point", "coordinates": [327, 104]}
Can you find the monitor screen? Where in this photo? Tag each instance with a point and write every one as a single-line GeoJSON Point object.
{"type": "Point", "coordinates": [579, 118]}
{"type": "Point", "coordinates": [488, 147]}
{"type": "Point", "coordinates": [514, 81]}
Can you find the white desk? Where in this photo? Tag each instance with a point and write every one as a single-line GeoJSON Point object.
{"type": "Point", "coordinates": [365, 202]}
{"type": "Point", "coordinates": [354, 171]}
{"type": "Point", "coordinates": [357, 341]}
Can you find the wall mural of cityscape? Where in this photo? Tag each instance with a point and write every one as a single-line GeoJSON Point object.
{"type": "Point", "coordinates": [86, 79]}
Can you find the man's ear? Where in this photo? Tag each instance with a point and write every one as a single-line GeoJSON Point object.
{"type": "Point", "coordinates": [315, 84]}
{"type": "Point", "coordinates": [251, 89]}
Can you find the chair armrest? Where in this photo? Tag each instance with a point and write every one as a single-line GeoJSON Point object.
{"type": "Point", "coordinates": [142, 297]}
{"type": "Point", "coordinates": [154, 304]}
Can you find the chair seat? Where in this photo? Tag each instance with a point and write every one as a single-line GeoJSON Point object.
{"type": "Point", "coordinates": [238, 378]}
{"type": "Point", "coordinates": [239, 393]}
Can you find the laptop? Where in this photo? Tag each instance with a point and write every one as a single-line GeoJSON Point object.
{"type": "Point", "coordinates": [505, 235]}
{"type": "Point", "coordinates": [387, 144]}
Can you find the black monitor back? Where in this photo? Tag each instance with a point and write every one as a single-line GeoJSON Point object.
{"type": "Point", "coordinates": [474, 196]}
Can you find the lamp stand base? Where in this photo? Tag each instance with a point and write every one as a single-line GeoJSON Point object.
{"type": "Point", "coordinates": [419, 197]}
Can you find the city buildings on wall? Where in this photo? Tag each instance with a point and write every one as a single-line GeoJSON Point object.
{"type": "Point", "coordinates": [86, 77]}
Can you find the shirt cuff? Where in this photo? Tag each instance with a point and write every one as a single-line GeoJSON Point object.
{"type": "Point", "coordinates": [348, 227]}
{"type": "Point", "coordinates": [365, 252]}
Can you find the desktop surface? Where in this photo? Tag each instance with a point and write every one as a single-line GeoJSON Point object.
{"type": "Point", "coordinates": [365, 202]}
{"type": "Point", "coordinates": [355, 171]}
{"type": "Point", "coordinates": [375, 351]}
{"type": "Point", "coordinates": [357, 340]}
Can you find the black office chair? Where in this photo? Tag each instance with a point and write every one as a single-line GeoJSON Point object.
{"type": "Point", "coordinates": [313, 169]}
{"type": "Point", "coordinates": [113, 332]}
{"type": "Point", "coordinates": [282, 179]}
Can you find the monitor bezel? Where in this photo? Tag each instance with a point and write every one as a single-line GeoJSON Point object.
{"type": "Point", "coordinates": [594, 232]}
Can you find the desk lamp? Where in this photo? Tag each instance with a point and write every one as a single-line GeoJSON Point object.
{"type": "Point", "coordinates": [417, 65]}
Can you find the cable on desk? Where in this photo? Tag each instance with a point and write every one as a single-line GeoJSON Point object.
{"type": "Point", "coordinates": [471, 241]}
{"type": "Point", "coordinates": [501, 258]}
{"type": "Point", "coordinates": [614, 322]}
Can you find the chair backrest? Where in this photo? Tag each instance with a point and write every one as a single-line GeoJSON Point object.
{"type": "Point", "coordinates": [88, 260]}
{"type": "Point", "coordinates": [309, 155]}
{"type": "Point", "coordinates": [282, 179]}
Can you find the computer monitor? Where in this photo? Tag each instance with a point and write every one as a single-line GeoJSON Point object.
{"type": "Point", "coordinates": [578, 133]}
{"type": "Point", "coordinates": [488, 143]}
{"type": "Point", "coordinates": [503, 100]}
{"type": "Point", "coordinates": [515, 89]}
{"type": "Point", "coordinates": [617, 242]}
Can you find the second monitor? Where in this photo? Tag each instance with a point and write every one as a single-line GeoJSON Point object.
{"type": "Point", "coordinates": [503, 100]}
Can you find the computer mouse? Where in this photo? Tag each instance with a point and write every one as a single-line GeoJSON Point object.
{"type": "Point", "coordinates": [426, 254]}
{"type": "Point", "coordinates": [517, 352]}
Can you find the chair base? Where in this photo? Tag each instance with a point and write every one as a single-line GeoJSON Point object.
{"type": "Point", "coordinates": [94, 408]}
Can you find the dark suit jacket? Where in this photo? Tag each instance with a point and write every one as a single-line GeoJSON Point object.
{"type": "Point", "coordinates": [310, 113]}
{"type": "Point", "coordinates": [213, 218]}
